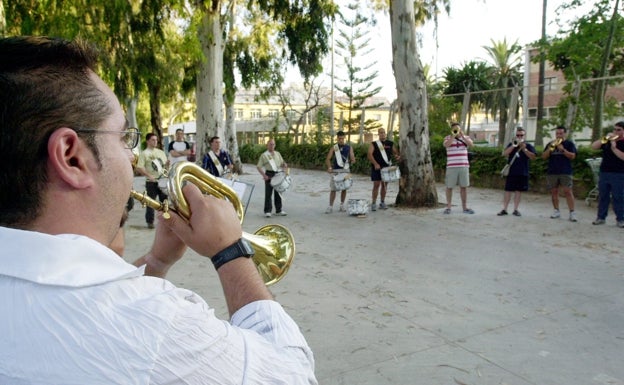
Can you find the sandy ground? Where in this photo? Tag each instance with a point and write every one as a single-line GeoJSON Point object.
{"type": "Point", "coordinates": [412, 296]}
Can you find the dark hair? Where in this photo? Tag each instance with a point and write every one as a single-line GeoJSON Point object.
{"type": "Point", "coordinates": [213, 139]}
{"type": "Point", "coordinates": [620, 124]}
{"type": "Point", "coordinates": [45, 84]}
{"type": "Point", "coordinates": [178, 130]}
{"type": "Point", "coordinates": [149, 136]}
{"type": "Point", "coordinates": [454, 124]}
{"type": "Point", "coordinates": [561, 128]}
{"type": "Point", "coordinates": [340, 133]}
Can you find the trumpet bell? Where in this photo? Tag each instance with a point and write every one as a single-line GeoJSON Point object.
{"type": "Point", "coordinates": [274, 248]}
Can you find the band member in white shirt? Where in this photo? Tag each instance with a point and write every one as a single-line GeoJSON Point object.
{"type": "Point", "coordinates": [269, 164]}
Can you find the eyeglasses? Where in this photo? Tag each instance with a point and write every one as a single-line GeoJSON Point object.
{"type": "Point", "coordinates": [520, 135]}
{"type": "Point", "coordinates": [130, 136]}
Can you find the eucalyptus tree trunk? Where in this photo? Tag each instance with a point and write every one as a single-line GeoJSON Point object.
{"type": "Point", "coordinates": [210, 81]}
{"type": "Point", "coordinates": [230, 137]}
{"type": "Point", "coordinates": [417, 187]}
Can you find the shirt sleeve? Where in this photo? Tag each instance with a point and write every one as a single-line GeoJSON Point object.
{"type": "Point", "coordinates": [200, 348]}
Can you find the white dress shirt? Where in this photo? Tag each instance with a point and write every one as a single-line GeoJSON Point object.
{"type": "Point", "coordinates": [73, 312]}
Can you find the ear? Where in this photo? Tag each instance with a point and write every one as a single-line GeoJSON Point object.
{"type": "Point", "coordinates": [69, 157]}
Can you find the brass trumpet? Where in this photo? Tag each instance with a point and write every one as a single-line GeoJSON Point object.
{"type": "Point", "coordinates": [455, 131]}
{"type": "Point", "coordinates": [555, 143]}
{"type": "Point", "coordinates": [516, 142]}
{"type": "Point", "coordinates": [608, 138]}
{"type": "Point", "coordinates": [274, 245]}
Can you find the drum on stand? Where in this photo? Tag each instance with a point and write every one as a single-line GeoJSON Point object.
{"type": "Point", "coordinates": [340, 181]}
{"type": "Point", "coordinates": [358, 207]}
{"type": "Point", "coordinates": [281, 182]}
{"type": "Point", "coordinates": [390, 174]}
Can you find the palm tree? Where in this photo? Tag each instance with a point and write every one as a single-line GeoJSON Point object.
{"type": "Point", "coordinates": [505, 74]}
{"type": "Point", "coordinates": [473, 77]}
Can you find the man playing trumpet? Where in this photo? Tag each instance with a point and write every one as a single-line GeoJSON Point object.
{"type": "Point", "coordinates": [457, 167]}
{"type": "Point", "coordinates": [611, 178]}
{"type": "Point", "coordinates": [559, 154]}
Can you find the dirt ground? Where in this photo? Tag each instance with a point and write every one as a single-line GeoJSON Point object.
{"type": "Point", "coordinates": [412, 296]}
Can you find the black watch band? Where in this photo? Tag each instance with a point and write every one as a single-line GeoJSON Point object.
{"type": "Point", "coordinates": [241, 248]}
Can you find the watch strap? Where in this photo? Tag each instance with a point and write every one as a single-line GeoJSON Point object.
{"type": "Point", "coordinates": [240, 248]}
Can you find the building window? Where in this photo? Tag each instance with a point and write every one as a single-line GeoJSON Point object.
{"type": "Point", "coordinates": [377, 117]}
{"type": "Point", "coordinates": [292, 114]}
{"type": "Point", "coordinates": [256, 113]}
{"type": "Point", "coordinates": [550, 84]}
{"type": "Point", "coordinates": [532, 112]}
{"type": "Point", "coordinates": [273, 113]}
{"type": "Point", "coordinates": [238, 113]}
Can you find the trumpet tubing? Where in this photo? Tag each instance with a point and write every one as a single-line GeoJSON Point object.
{"type": "Point", "coordinates": [608, 138]}
{"type": "Point", "coordinates": [455, 131]}
{"type": "Point", "coordinates": [274, 245]}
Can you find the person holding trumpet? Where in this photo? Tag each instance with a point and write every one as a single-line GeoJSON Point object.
{"type": "Point", "coordinates": [560, 153]}
{"type": "Point", "coordinates": [611, 177]}
{"type": "Point", "coordinates": [518, 154]}
{"type": "Point", "coordinates": [457, 167]}
{"type": "Point", "coordinates": [74, 311]}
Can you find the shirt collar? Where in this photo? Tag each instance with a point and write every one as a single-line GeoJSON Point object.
{"type": "Point", "coordinates": [61, 260]}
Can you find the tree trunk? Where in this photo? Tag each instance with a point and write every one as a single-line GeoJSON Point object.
{"type": "Point", "coordinates": [230, 137]}
{"type": "Point", "coordinates": [210, 81]}
{"type": "Point", "coordinates": [417, 187]}
{"type": "Point", "coordinates": [155, 120]}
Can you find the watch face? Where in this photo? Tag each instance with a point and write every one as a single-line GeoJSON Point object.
{"type": "Point", "coordinates": [246, 246]}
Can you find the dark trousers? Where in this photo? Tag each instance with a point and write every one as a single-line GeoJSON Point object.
{"type": "Point", "coordinates": [153, 191]}
{"type": "Point", "coordinates": [268, 191]}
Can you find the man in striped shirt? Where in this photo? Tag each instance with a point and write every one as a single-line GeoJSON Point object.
{"type": "Point", "coordinates": [457, 166]}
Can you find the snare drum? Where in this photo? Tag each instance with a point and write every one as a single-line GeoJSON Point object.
{"type": "Point", "coordinates": [340, 181]}
{"type": "Point", "coordinates": [357, 207]}
{"type": "Point", "coordinates": [162, 185]}
{"type": "Point", "coordinates": [390, 174]}
{"type": "Point", "coordinates": [281, 182]}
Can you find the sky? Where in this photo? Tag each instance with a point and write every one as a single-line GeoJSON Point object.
{"type": "Point", "coordinates": [471, 25]}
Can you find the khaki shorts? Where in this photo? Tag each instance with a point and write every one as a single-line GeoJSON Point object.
{"type": "Point", "coordinates": [562, 180]}
{"type": "Point", "coordinates": [457, 176]}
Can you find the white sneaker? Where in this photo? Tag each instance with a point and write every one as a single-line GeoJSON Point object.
{"type": "Point", "coordinates": [573, 216]}
{"type": "Point", "coordinates": [556, 214]}
{"type": "Point", "coordinates": [374, 207]}
{"type": "Point", "coordinates": [281, 213]}
{"type": "Point", "coordinates": [329, 210]}
{"type": "Point", "coordinates": [342, 208]}
{"type": "Point", "coordinates": [268, 215]}
{"type": "Point", "coordinates": [383, 206]}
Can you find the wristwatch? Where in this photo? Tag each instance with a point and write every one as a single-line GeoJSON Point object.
{"type": "Point", "coordinates": [242, 248]}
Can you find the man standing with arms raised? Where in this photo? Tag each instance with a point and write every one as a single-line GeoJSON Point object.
{"type": "Point", "coordinates": [457, 167]}
{"type": "Point", "coordinates": [560, 153]}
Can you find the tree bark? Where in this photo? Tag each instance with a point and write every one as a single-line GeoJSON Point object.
{"type": "Point", "coordinates": [417, 187]}
{"type": "Point", "coordinates": [210, 81]}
